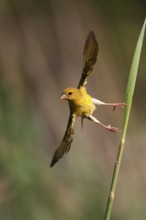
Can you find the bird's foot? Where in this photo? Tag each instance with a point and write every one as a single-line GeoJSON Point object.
{"type": "Point", "coordinates": [119, 105]}
{"type": "Point", "coordinates": [112, 129]}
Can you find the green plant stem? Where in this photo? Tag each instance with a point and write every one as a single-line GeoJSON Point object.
{"type": "Point", "coordinates": [129, 97]}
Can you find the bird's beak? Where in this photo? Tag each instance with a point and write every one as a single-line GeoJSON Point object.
{"type": "Point", "coordinates": [63, 97]}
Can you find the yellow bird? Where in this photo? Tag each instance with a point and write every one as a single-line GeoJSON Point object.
{"type": "Point", "coordinates": [81, 104]}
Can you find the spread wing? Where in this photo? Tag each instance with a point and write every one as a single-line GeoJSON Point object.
{"type": "Point", "coordinates": [89, 56]}
{"type": "Point", "coordinates": [65, 144]}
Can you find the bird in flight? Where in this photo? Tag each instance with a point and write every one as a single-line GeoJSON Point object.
{"type": "Point", "coordinates": [81, 104]}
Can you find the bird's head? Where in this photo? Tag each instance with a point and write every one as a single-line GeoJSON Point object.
{"type": "Point", "coordinates": [70, 94]}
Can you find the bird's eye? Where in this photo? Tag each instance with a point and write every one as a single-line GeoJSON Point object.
{"type": "Point", "coordinates": [70, 93]}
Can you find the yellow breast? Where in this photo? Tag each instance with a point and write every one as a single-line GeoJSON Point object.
{"type": "Point", "coordinates": [83, 104]}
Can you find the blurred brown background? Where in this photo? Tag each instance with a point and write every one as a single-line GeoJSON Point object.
{"type": "Point", "coordinates": [41, 45]}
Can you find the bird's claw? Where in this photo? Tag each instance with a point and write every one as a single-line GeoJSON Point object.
{"type": "Point", "coordinates": [112, 129]}
{"type": "Point", "coordinates": [119, 105]}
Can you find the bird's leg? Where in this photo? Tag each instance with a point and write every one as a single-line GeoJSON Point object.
{"type": "Point", "coordinates": [108, 127]}
{"type": "Point", "coordinates": [98, 102]}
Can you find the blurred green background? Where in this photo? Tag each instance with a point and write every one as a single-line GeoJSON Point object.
{"type": "Point", "coordinates": [41, 45]}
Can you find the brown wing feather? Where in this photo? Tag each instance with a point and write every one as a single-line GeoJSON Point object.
{"type": "Point", "coordinates": [64, 147]}
{"type": "Point", "coordinates": [90, 50]}
{"type": "Point", "coordinates": [89, 57]}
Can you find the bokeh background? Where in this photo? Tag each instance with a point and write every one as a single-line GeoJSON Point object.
{"type": "Point", "coordinates": [41, 45]}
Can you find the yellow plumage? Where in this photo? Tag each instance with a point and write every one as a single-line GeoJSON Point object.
{"type": "Point", "coordinates": [81, 104]}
